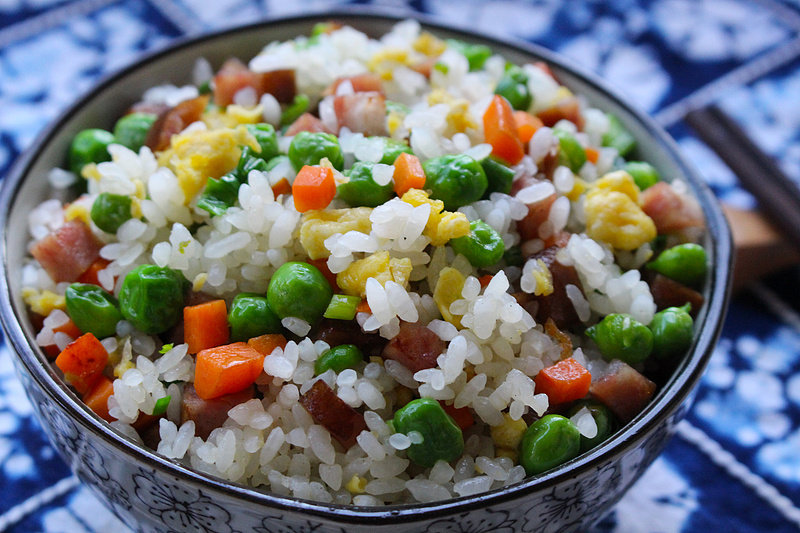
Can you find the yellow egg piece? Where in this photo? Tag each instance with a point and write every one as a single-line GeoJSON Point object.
{"type": "Point", "coordinates": [43, 302]}
{"type": "Point", "coordinates": [448, 290]}
{"type": "Point", "coordinates": [442, 225]}
{"type": "Point", "coordinates": [318, 225]}
{"type": "Point", "coordinates": [380, 265]}
{"type": "Point", "coordinates": [619, 181]}
{"type": "Point", "coordinates": [429, 44]}
{"type": "Point", "coordinates": [614, 218]}
{"type": "Point", "coordinates": [199, 155]}
{"type": "Point", "coordinates": [509, 433]}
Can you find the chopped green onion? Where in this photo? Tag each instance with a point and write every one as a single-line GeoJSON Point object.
{"type": "Point", "coordinates": [167, 347]}
{"type": "Point", "coordinates": [342, 307]}
{"type": "Point", "coordinates": [161, 406]}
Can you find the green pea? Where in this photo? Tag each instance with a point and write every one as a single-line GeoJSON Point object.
{"type": "Point", "coordinates": [299, 290]}
{"type": "Point", "coordinates": [513, 86]}
{"type": "Point", "coordinates": [476, 54]}
{"type": "Point", "coordinates": [620, 336]}
{"type": "Point", "coordinates": [442, 438]}
{"type": "Point", "coordinates": [392, 150]}
{"type": "Point", "coordinates": [685, 263]}
{"type": "Point", "coordinates": [456, 180]}
{"type": "Point", "coordinates": [293, 111]}
{"type": "Point", "coordinates": [570, 154]}
{"type": "Point", "coordinates": [151, 298]}
{"type": "Point", "coordinates": [603, 418]}
{"type": "Point", "coordinates": [498, 175]}
{"type": "Point", "coordinates": [250, 316]}
{"type": "Point", "coordinates": [110, 211]}
{"type": "Point", "coordinates": [89, 146]}
{"type": "Point", "coordinates": [338, 358]}
{"type": "Point", "coordinates": [131, 130]}
{"type": "Point", "coordinates": [617, 136]}
{"type": "Point", "coordinates": [548, 442]}
{"type": "Point", "coordinates": [672, 331]}
{"type": "Point", "coordinates": [266, 139]}
{"type": "Point", "coordinates": [482, 247]}
{"type": "Point", "coordinates": [93, 309]}
{"type": "Point", "coordinates": [309, 148]}
{"type": "Point", "coordinates": [361, 189]}
{"type": "Point", "coordinates": [644, 174]}
{"type": "Point", "coordinates": [323, 27]}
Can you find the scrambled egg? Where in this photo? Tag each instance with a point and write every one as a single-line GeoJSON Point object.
{"type": "Point", "coordinates": [198, 155]}
{"type": "Point", "coordinates": [448, 290]}
{"type": "Point", "coordinates": [458, 118]}
{"type": "Point", "coordinates": [442, 225]}
{"type": "Point", "coordinates": [382, 267]}
{"type": "Point", "coordinates": [319, 225]}
{"type": "Point", "coordinates": [356, 485]}
{"type": "Point", "coordinates": [232, 116]}
{"type": "Point", "coordinates": [613, 214]}
{"type": "Point", "coordinates": [43, 302]}
{"type": "Point", "coordinates": [429, 44]}
{"type": "Point", "coordinates": [384, 62]}
{"type": "Point", "coordinates": [543, 277]}
{"type": "Point", "coordinates": [509, 433]}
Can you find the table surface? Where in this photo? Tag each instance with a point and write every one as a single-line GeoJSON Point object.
{"type": "Point", "coordinates": [734, 463]}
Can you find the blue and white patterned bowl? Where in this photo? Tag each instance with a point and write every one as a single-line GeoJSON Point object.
{"type": "Point", "coordinates": [151, 493]}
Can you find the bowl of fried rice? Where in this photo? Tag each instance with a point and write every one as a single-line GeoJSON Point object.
{"type": "Point", "coordinates": [351, 272]}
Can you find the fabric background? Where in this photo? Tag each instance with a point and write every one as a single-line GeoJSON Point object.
{"type": "Point", "coordinates": [734, 465]}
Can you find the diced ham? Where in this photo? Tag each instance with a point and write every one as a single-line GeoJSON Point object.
{"type": "Point", "coordinates": [328, 410]}
{"type": "Point", "coordinates": [425, 67]}
{"type": "Point", "coordinates": [566, 109]}
{"type": "Point", "coordinates": [623, 390]}
{"type": "Point", "coordinates": [336, 332]}
{"type": "Point", "coordinates": [279, 83]}
{"type": "Point", "coordinates": [670, 293]}
{"type": "Point", "coordinates": [361, 112]}
{"type": "Point", "coordinates": [538, 212]}
{"type": "Point", "coordinates": [173, 121]}
{"type": "Point", "coordinates": [68, 252]}
{"type": "Point", "coordinates": [235, 76]}
{"type": "Point", "coordinates": [306, 122]}
{"type": "Point", "coordinates": [671, 210]}
{"type": "Point", "coordinates": [415, 346]}
{"type": "Point", "coordinates": [556, 305]}
{"type": "Point", "coordinates": [361, 83]}
{"type": "Point", "coordinates": [209, 414]}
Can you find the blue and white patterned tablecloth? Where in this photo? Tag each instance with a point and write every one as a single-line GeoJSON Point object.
{"type": "Point", "coordinates": [735, 462]}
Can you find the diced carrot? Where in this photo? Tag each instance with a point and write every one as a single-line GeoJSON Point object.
{"type": "Point", "coordinates": [82, 362]}
{"type": "Point", "coordinates": [461, 415]}
{"type": "Point", "coordinates": [501, 131]}
{"type": "Point", "coordinates": [592, 154]}
{"type": "Point", "coordinates": [205, 325]}
{"type": "Point", "coordinates": [282, 187]}
{"type": "Point", "coordinates": [90, 276]}
{"type": "Point", "coordinates": [567, 109]}
{"type": "Point", "coordinates": [363, 307]}
{"type": "Point", "coordinates": [322, 265]}
{"type": "Point", "coordinates": [408, 174]}
{"type": "Point", "coordinates": [564, 381]}
{"type": "Point", "coordinates": [485, 279]}
{"type": "Point", "coordinates": [527, 125]}
{"type": "Point", "coordinates": [97, 398]}
{"type": "Point", "coordinates": [226, 369]}
{"type": "Point", "coordinates": [313, 188]}
{"type": "Point", "coordinates": [70, 329]}
{"type": "Point", "coordinates": [265, 344]}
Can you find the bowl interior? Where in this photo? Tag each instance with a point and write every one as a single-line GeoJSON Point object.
{"type": "Point", "coordinates": [27, 185]}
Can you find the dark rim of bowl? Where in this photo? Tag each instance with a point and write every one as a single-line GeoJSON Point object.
{"type": "Point", "coordinates": [667, 400]}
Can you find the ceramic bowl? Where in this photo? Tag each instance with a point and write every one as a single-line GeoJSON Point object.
{"type": "Point", "coordinates": [151, 493]}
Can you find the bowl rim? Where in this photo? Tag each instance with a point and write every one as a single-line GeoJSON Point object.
{"type": "Point", "coordinates": [679, 386]}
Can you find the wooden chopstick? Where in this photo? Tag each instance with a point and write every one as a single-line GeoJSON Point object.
{"type": "Point", "coordinates": [778, 196]}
